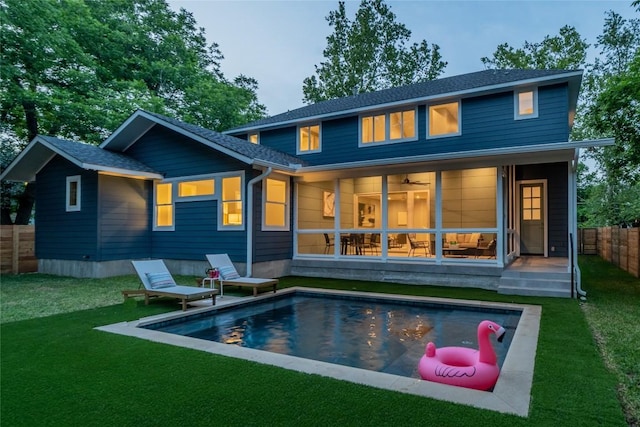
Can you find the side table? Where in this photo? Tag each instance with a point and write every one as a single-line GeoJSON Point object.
{"type": "Point", "coordinates": [212, 282]}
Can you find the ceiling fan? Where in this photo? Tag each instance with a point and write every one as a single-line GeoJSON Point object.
{"type": "Point", "coordinates": [406, 180]}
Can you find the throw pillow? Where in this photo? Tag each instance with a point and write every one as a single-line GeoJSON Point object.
{"type": "Point", "coordinates": [227, 272]}
{"type": "Point", "coordinates": [160, 280]}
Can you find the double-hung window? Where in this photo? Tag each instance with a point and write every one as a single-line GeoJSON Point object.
{"type": "Point", "coordinates": [525, 104]}
{"type": "Point", "coordinates": [232, 201]}
{"type": "Point", "coordinates": [444, 120]}
{"type": "Point", "coordinates": [394, 126]}
{"type": "Point", "coordinates": [309, 139]}
{"type": "Point", "coordinates": [276, 204]}
{"type": "Point", "coordinates": [163, 209]}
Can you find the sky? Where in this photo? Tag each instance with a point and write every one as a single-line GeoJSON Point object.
{"type": "Point", "coordinates": [278, 43]}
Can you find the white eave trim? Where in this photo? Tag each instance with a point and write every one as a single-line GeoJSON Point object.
{"type": "Point", "coordinates": [540, 148]}
{"type": "Point", "coordinates": [484, 90]}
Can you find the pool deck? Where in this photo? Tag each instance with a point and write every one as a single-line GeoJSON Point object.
{"type": "Point", "coordinates": [511, 394]}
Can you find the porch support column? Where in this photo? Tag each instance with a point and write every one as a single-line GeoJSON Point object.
{"type": "Point", "coordinates": [438, 217]}
{"type": "Point", "coordinates": [500, 216]}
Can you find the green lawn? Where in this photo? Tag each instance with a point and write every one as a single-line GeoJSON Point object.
{"type": "Point", "coordinates": [57, 370]}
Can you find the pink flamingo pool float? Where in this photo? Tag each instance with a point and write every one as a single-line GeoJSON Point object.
{"type": "Point", "coordinates": [461, 366]}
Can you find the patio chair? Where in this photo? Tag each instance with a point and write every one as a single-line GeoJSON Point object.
{"type": "Point", "coordinates": [489, 250]}
{"type": "Point", "coordinates": [328, 243]}
{"type": "Point", "coordinates": [158, 282]}
{"type": "Point", "coordinates": [417, 244]}
{"type": "Point", "coordinates": [229, 275]}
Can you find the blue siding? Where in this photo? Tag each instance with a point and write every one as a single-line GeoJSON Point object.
{"type": "Point", "coordinates": [195, 235]}
{"type": "Point", "coordinates": [175, 155]}
{"type": "Point", "coordinates": [60, 234]}
{"type": "Point", "coordinates": [487, 123]}
{"type": "Point", "coordinates": [557, 177]}
{"type": "Point", "coordinates": [125, 218]}
{"type": "Point", "coordinates": [269, 245]}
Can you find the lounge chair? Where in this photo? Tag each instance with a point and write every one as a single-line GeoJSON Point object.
{"type": "Point", "coordinates": [229, 275]}
{"type": "Point", "coordinates": [158, 282]}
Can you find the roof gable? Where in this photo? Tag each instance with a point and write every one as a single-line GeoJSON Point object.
{"type": "Point", "coordinates": [253, 154]}
{"type": "Point", "coordinates": [477, 83]}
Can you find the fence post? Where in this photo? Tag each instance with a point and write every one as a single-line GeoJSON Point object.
{"type": "Point", "coordinates": [15, 251]}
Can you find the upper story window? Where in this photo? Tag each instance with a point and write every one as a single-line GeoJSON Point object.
{"type": "Point", "coordinates": [526, 104]}
{"type": "Point", "coordinates": [163, 212]}
{"type": "Point", "coordinates": [254, 138]}
{"type": "Point", "coordinates": [232, 201]}
{"type": "Point", "coordinates": [73, 193]}
{"type": "Point", "coordinates": [308, 139]}
{"type": "Point", "coordinates": [393, 126]}
{"type": "Point", "coordinates": [444, 120]}
{"type": "Point", "coordinates": [200, 188]}
{"type": "Point", "coordinates": [276, 204]}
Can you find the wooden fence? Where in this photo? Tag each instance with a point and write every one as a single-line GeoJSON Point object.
{"type": "Point", "coordinates": [619, 246]}
{"type": "Point", "coordinates": [17, 249]}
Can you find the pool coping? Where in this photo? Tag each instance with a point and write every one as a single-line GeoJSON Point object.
{"type": "Point", "coordinates": [511, 394]}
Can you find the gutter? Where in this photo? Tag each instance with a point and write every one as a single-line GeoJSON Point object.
{"type": "Point", "coordinates": [250, 218]}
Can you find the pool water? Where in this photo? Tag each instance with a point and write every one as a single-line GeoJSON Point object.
{"type": "Point", "coordinates": [358, 331]}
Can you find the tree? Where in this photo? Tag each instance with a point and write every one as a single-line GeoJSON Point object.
{"type": "Point", "coordinates": [370, 53]}
{"type": "Point", "coordinates": [613, 109]}
{"type": "Point", "coordinates": [566, 51]}
{"type": "Point", "coordinates": [77, 68]}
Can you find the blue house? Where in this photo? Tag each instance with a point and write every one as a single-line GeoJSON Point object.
{"type": "Point", "coordinates": [453, 181]}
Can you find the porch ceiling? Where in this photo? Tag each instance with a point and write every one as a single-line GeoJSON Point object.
{"type": "Point", "coordinates": [420, 164]}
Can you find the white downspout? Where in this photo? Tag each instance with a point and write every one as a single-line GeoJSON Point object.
{"type": "Point", "coordinates": [250, 218]}
{"type": "Point", "coordinates": [573, 191]}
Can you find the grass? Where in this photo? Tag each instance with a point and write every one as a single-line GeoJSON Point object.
{"type": "Point", "coordinates": [58, 370]}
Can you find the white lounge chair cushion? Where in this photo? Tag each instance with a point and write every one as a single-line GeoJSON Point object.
{"type": "Point", "coordinates": [228, 272]}
{"type": "Point", "coordinates": [160, 280]}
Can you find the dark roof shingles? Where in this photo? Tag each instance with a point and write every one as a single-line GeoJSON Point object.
{"type": "Point", "coordinates": [441, 86]}
{"type": "Point", "coordinates": [240, 146]}
{"type": "Point", "coordinates": [91, 154]}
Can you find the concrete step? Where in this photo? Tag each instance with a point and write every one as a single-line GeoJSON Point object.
{"type": "Point", "coordinates": [534, 292]}
{"type": "Point", "coordinates": [519, 274]}
{"type": "Point", "coordinates": [535, 287]}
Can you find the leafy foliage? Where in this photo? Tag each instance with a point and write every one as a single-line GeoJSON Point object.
{"type": "Point", "coordinates": [78, 69]}
{"type": "Point", "coordinates": [614, 108]}
{"type": "Point", "coordinates": [565, 51]}
{"type": "Point", "coordinates": [370, 53]}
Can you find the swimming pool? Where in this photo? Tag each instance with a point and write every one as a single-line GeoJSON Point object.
{"type": "Point", "coordinates": [511, 393]}
{"type": "Point", "coordinates": [352, 330]}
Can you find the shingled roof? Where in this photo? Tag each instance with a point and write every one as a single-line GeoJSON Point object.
{"type": "Point", "coordinates": [478, 81]}
{"type": "Point", "coordinates": [40, 150]}
{"type": "Point", "coordinates": [239, 146]}
{"type": "Point", "coordinates": [91, 155]}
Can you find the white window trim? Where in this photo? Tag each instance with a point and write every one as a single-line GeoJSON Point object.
{"type": "Point", "coordinates": [387, 128]}
{"type": "Point", "coordinates": [516, 107]}
{"type": "Point", "coordinates": [177, 182]}
{"type": "Point", "coordinates": [174, 191]}
{"type": "Point", "coordinates": [298, 151]}
{"type": "Point", "coordinates": [448, 135]}
{"type": "Point", "coordinates": [77, 207]}
{"type": "Point", "coordinates": [287, 204]}
{"type": "Point", "coordinates": [217, 196]}
{"type": "Point", "coordinates": [243, 199]}
{"type": "Point", "coordinates": [257, 134]}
